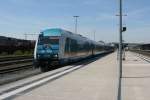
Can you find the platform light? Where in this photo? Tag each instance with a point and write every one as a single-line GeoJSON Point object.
{"type": "Point", "coordinates": [76, 23]}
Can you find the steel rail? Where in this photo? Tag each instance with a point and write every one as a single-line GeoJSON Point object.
{"type": "Point", "coordinates": [10, 58]}
{"type": "Point", "coordinates": [11, 64]}
{"type": "Point", "coordinates": [6, 63]}
{"type": "Point", "coordinates": [14, 69]}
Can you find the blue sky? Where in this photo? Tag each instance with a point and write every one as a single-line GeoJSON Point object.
{"type": "Point", "coordinates": [18, 17]}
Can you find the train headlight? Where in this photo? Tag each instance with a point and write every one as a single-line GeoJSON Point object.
{"type": "Point", "coordinates": [56, 55]}
{"type": "Point", "coordinates": [38, 55]}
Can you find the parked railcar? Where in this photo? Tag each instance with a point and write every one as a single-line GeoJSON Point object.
{"type": "Point", "coordinates": [10, 45]}
{"type": "Point", "coordinates": [58, 46]}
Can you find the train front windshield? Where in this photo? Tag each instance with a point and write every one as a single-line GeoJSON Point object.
{"type": "Point", "coordinates": [53, 40]}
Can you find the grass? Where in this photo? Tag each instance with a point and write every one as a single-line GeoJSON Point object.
{"type": "Point", "coordinates": [17, 53]}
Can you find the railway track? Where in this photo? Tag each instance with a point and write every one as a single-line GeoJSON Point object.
{"type": "Point", "coordinates": [9, 58]}
{"type": "Point", "coordinates": [143, 52]}
{"type": "Point", "coordinates": [11, 64]}
{"type": "Point", "coordinates": [145, 55]}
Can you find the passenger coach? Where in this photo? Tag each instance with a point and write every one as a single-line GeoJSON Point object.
{"type": "Point", "coordinates": [58, 46]}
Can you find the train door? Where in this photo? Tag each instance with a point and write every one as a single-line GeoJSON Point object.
{"type": "Point", "coordinates": [67, 47]}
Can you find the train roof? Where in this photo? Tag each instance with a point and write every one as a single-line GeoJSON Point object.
{"type": "Point", "coordinates": [58, 32]}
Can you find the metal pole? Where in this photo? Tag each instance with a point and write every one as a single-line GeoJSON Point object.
{"type": "Point", "coordinates": [94, 35]}
{"type": "Point", "coordinates": [76, 26]}
{"type": "Point", "coordinates": [25, 36]}
{"type": "Point", "coordinates": [120, 51]}
{"type": "Point", "coordinates": [76, 21]}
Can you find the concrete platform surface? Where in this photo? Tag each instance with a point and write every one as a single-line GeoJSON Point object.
{"type": "Point", "coordinates": [136, 78]}
{"type": "Point", "coordinates": [96, 81]}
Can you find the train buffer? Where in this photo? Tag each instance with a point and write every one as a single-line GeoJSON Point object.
{"type": "Point", "coordinates": [97, 80]}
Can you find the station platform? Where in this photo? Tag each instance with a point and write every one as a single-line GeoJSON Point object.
{"type": "Point", "coordinates": [98, 81]}
{"type": "Point", "coordinates": [136, 78]}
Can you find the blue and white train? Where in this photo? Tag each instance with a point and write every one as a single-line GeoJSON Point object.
{"type": "Point", "coordinates": [58, 46]}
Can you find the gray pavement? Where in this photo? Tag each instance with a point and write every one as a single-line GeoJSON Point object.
{"type": "Point", "coordinates": [136, 78]}
{"type": "Point", "coordinates": [96, 81]}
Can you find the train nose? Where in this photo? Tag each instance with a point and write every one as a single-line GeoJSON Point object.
{"type": "Point", "coordinates": [44, 54]}
{"type": "Point", "coordinates": [47, 51]}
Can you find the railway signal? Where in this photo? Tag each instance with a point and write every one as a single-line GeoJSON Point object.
{"type": "Point", "coordinates": [124, 29]}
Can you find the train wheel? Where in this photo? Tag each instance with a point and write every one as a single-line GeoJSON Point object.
{"type": "Point", "coordinates": [36, 64]}
{"type": "Point", "coordinates": [44, 68]}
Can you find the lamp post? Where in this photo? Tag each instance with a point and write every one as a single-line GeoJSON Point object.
{"type": "Point", "coordinates": [76, 21]}
{"type": "Point", "coordinates": [120, 50]}
{"type": "Point", "coordinates": [94, 34]}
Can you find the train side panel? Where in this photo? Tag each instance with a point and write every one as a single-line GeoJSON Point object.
{"type": "Point", "coordinates": [71, 47]}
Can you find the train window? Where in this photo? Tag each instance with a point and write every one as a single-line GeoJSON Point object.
{"type": "Point", "coordinates": [73, 45]}
{"type": "Point", "coordinates": [67, 45]}
{"type": "Point", "coordinates": [48, 40]}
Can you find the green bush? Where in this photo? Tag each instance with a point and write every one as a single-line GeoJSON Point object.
{"type": "Point", "coordinates": [18, 52]}
{"type": "Point", "coordinates": [4, 54]}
